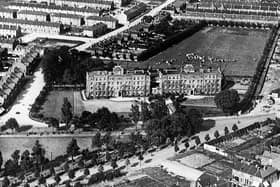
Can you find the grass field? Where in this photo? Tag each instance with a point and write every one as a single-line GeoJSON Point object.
{"type": "Point", "coordinates": [243, 48]}
{"type": "Point", "coordinates": [52, 107]}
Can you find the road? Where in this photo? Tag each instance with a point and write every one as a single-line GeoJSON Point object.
{"type": "Point", "coordinates": [24, 101]}
{"type": "Point", "coordinates": [90, 41]}
{"type": "Point", "coordinates": [27, 97]}
{"type": "Point", "coordinates": [157, 158]}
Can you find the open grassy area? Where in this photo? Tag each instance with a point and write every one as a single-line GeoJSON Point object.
{"type": "Point", "coordinates": [53, 104]}
{"type": "Point", "coordinates": [242, 47]}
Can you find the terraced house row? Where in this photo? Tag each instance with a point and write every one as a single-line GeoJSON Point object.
{"type": "Point", "coordinates": [99, 4]}
{"type": "Point", "coordinates": [10, 83]}
{"type": "Point", "coordinates": [13, 80]}
{"type": "Point", "coordinates": [243, 11]}
{"type": "Point", "coordinates": [65, 15]}
{"type": "Point", "coordinates": [121, 82]}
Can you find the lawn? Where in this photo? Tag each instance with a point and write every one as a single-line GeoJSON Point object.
{"type": "Point", "coordinates": [53, 104]}
{"type": "Point", "coordinates": [240, 48]}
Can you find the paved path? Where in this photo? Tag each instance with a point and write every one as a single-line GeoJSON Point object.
{"type": "Point", "coordinates": [90, 41]}
{"type": "Point", "coordinates": [24, 101]}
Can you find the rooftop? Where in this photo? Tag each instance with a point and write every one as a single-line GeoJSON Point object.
{"type": "Point", "coordinates": [29, 22]}
{"type": "Point", "coordinates": [8, 27]}
{"type": "Point", "coordinates": [254, 170]}
{"type": "Point", "coordinates": [32, 12]}
{"type": "Point", "coordinates": [67, 15]}
{"type": "Point", "coordinates": [105, 18]}
{"type": "Point", "coordinates": [55, 7]}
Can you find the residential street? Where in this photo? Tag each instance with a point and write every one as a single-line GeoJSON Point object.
{"type": "Point", "coordinates": [20, 109]}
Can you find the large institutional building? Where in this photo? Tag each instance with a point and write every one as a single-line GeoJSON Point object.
{"type": "Point", "coordinates": [117, 83]}
{"type": "Point", "coordinates": [120, 82]}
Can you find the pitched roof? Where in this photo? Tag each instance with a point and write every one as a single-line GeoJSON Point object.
{"type": "Point", "coordinates": [254, 170]}
{"type": "Point", "coordinates": [99, 18]}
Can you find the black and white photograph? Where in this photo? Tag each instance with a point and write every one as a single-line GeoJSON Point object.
{"type": "Point", "coordinates": [139, 93]}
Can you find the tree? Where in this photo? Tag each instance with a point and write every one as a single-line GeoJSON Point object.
{"type": "Point", "coordinates": [37, 173]}
{"type": "Point", "coordinates": [94, 159]}
{"type": "Point", "coordinates": [10, 167]}
{"type": "Point", "coordinates": [67, 76]}
{"type": "Point", "coordinates": [234, 127]}
{"type": "Point", "coordinates": [145, 112]}
{"type": "Point", "coordinates": [38, 153]}
{"type": "Point", "coordinates": [114, 164]}
{"type": "Point", "coordinates": [176, 148]}
{"type": "Point", "coordinates": [96, 140]}
{"type": "Point", "coordinates": [73, 148]}
{"type": "Point", "coordinates": [140, 158]}
{"type": "Point", "coordinates": [57, 179]}
{"type": "Point", "coordinates": [187, 145]}
{"type": "Point", "coordinates": [127, 162]}
{"type": "Point", "coordinates": [66, 167]}
{"type": "Point", "coordinates": [77, 184]}
{"type": "Point", "coordinates": [71, 174]}
{"type": "Point", "coordinates": [66, 111]}
{"type": "Point", "coordinates": [12, 124]}
{"type": "Point", "coordinates": [147, 19]}
{"type": "Point", "coordinates": [25, 162]}
{"type": "Point", "coordinates": [226, 131]}
{"type": "Point", "coordinates": [100, 168]}
{"type": "Point", "coordinates": [107, 156]}
{"type": "Point", "coordinates": [135, 114]}
{"type": "Point", "coordinates": [42, 180]}
{"type": "Point", "coordinates": [196, 120]}
{"type": "Point", "coordinates": [227, 100]}
{"type": "Point", "coordinates": [81, 163]}
{"type": "Point", "coordinates": [1, 160]}
{"type": "Point", "coordinates": [15, 156]}
{"type": "Point", "coordinates": [207, 137]}
{"type": "Point", "coordinates": [5, 182]}
{"type": "Point", "coordinates": [158, 109]}
{"type": "Point", "coordinates": [107, 138]}
{"type": "Point", "coordinates": [217, 134]}
{"type": "Point", "coordinates": [86, 171]}
{"type": "Point", "coordinates": [52, 171]}
{"type": "Point", "coordinates": [197, 141]}
{"type": "Point", "coordinates": [53, 122]}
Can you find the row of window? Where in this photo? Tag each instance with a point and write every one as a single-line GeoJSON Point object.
{"type": "Point", "coordinates": [119, 88]}
{"type": "Point", "coordinates": [119, 78]}
{"type": "Point", "coordinates": [209, 76]}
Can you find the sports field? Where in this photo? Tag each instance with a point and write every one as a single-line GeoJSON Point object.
{"type": "Point", "coordinates": [242, 47]}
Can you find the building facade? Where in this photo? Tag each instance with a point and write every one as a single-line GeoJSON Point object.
{"type": "Point", "coordinates": [9, 31]}
{"type": "Point", "coordinates": [97, 4]}
{"type": "Point", "coordinates": [120, 82]}
{"type": "Point", "coordinates": [109, 21]}
{"type": "Point", "coordinates": [32, 15]}
{"type": "Point", "coordinates": [68, 19]}
{"type": "Point", "coordinates": [54, 9]}
{"type": "Point", "coordinates": [189, 81]}
{"type": "Point", "coordinates": [95, 30]}
{"type": "Point", "coordinates": [7, 13]}
{"type": "Point", "coordinates": [246, 175]}
{"type": "Point", "coordinates": [28, 26]}
{"type": "Point", "coordinates": [117, 83]}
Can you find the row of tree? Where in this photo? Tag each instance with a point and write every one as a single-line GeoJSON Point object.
{"type": "Point", "coordinates": [65, 66]}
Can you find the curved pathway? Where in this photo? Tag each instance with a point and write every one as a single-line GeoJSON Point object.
{"type": "Point", "coordinates": [21, 108]}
